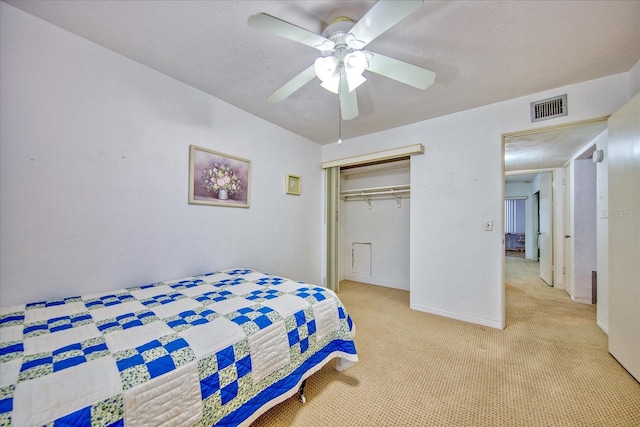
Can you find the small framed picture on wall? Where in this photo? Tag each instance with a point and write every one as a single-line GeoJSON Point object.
{"type": "Point", "coordinates": [292, 184]}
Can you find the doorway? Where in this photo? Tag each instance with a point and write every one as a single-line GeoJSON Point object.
{"type": "Point", "coordinates": [550, 149]}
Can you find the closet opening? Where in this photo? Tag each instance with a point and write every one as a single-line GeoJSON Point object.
{"type": "Point", "coordinates": [374, 223]}
{"type": "Point", "coordinates": [370, 168]}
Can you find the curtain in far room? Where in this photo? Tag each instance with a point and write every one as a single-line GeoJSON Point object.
{"type": "Point", "coordinates": [510, 216]}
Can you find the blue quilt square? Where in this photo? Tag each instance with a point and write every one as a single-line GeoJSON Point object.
{"type": "Point", "coordinates": [146, 314]}
{"type": "Point", "coordinates": [67, 363]}
{"type": "Point", "coordinates": [82, 318]}
{"type": "Point", "coordinates": [71, 347]}
{"type": "Point", "coordinates": [245, 310]}
{"type": "Point", "coordinates": [13, 348]}
{"type": "Point", "coordinates": [176, 323]}
{"type": "Point", "coordinates": [75, 419]}
{"type": "Point", "coordinates": [262, 322]}
{"type": "Point", "coordinates": [209, 385]}
{"type": "Point", "coordinates": [109, 325]}
{"type": "Point", "coordinates": [229, 392]}
{"type": "Point", "coordinates": [6, 405]}
{"type": "Point", "coordinates": [304, 345]}
{"type": "Point", "coordinates": [300, 318]}
{"type": "Point", "coordinates": [94, 348]}
{"type": "Point", "coordinates": [149, 346]}
{"type": "Point", "coordinates": [131, 324]}
{"type": "Point", "coordinates": [243, 367]}
{"type": "Point", "coordinates": [311, 327]}
{"type": "Point", "coordinates": [33, 328]}
{"type": "Point", "coordinates": [37, 362]}
{"type": "Point", "coordinates": [225, 357]}
{"type": "Point", "coordinates": [187, 313]}
{"type": "Point", "coordinates": [294, 337]}
{"type": "Point", "coordinates": [341, 312]}
{"type": "Point", "coordinates": [240, 320]}
{"type": "Point", "coordinates": [61, 327]}
{"type": "Point", "coordinates": [207, 312]}
{"type": "Point", "coordinates": [124, 316]}
{"type": "Point", "coordinates": [160, 366]}
{"type": "Point", "coordinates": [130, 362]}
{"type": "Point", "coordinates": [265, 310]}
{"type": "Point", "coordinates": [176, 345]}
{"type": "Point", "coordinates": [12, 318]}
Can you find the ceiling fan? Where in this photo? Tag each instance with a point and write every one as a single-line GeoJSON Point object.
{"type": "Point", "coordinates": [343, 58]}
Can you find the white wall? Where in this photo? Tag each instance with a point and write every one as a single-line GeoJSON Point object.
{"type": "Point", "coordinates": [584, 229]}
{"type": "Point", "coordinates": [94, 171]}
{"type": "Point", "coordinates": [384, 225]}
{"type": "Point", "coordinates": [458, 184]}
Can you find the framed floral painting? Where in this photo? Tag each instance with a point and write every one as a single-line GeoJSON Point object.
{"type": "Point", "coordinates": [218, 179]}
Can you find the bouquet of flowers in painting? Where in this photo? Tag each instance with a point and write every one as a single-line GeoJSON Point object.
{"type": "Point", "coordinates": [219, 177]}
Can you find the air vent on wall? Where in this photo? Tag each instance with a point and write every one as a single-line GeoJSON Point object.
{"type": "Point", "coordinates": [549, 108]}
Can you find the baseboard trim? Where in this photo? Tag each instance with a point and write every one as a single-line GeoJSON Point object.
{"type": "Point", "coordinates": [371, 281]}
{"type": "Point", "coordinates": [602, 326]}
{"type": "Point", "coordinates": [476, 320]}
{"type": "Point", "coordinates": [582, 300]}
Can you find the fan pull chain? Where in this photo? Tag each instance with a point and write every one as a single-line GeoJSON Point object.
{"type": "Point", "coordinates": [340, 109]}
{"type": "Point", "coordinates": [339, 120]}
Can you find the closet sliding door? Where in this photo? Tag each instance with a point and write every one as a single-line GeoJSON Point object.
{"type": "Point", "coordinates": [331, 219]}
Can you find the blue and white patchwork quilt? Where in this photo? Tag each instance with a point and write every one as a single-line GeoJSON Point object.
{"type": "Point", "coordinates": [215, 349]}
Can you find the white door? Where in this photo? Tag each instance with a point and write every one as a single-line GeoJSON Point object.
{"type": "Point", "coordinates": [623, 157]}
{"type": "Point", "coordinates": [545, 235]}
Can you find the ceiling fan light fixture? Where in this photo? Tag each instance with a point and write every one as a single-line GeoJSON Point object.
{"type": "Point", "coordinates": [325, 67]}
{"type": "Point", "coordinates": [332, 84]}
{"type": "Point", "coordinates": [354, 80]}
{"type": "Point", "coordinates": [355, 63]}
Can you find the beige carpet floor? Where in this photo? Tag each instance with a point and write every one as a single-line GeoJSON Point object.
{"type": "Point", "coordinates": [549, 367]}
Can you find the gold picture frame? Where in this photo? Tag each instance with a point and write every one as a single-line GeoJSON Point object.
{"type": "Point", "coordinates": [292, 184]}
{"type": "Point", "coordinates": [218, 179]}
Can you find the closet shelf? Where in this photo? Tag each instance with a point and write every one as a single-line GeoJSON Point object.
{"type": "Point", "coordinates": [392, 191]}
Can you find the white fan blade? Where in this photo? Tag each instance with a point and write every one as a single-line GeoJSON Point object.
{"type": "Point", "coordinates": [281, 28]}
{"type": "Point", "coordinates": [292, 85]}
{"type": "Point", "coordinates": [382, 16]}
{"type": "Point", "coordinates": [348, 101]}
{"type": "Point", "coordinates": [409, 74]}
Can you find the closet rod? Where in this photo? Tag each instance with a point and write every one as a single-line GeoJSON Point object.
{"type": "Point", "coordinates": [388, 189]}
{"type": "Point", "coordinates": [363, 194]}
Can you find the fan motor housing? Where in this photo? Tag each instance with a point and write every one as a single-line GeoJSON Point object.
{"type": "Point", "coordinates": [338, 29]}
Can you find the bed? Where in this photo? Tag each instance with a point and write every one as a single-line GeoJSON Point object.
{"type": "Point", "coordinates": [213, 349]}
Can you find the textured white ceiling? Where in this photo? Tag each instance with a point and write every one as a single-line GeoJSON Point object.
{"type": "Point", "coordinates": [550, 148]}
{"type": "Point", "coordinates": [482, 51]}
